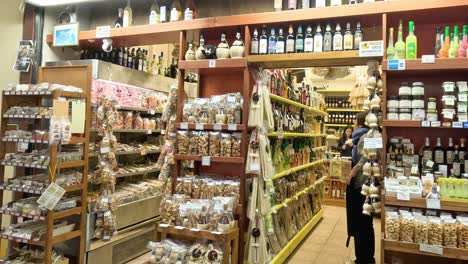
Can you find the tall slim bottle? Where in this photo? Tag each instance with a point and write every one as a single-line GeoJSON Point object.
{"type": "Point", "coordinates": [318, 40]}
{"type": "Point", "coordinates": [127, 15]}
{"type": "Point", "coordinates": [280, 42]}
{"type": "Point", "coordinates": [453, 51]}
{"type": "Point", "coordinates": [263, 42]}
{"type": "Point", "coordinates": [437, 42]}
{"type": "Point", "coordinates": [348, 38]}
{"type": "Point", "coordinates": [464, 43]}
{"type": "Point", "coordinates": [411, 43]}
{"type": "Point", "coordinates": [176, 4]}
{"type": "Point", "coordinates": [358, 36]}
{"type": "Point", "coordinates": [327, 38]}
{"type": "Point", "coordinates": [426, 153]}
{"type": "Point", "coordinates": [272, 42]}
{"type": "Point", "coordinates": [190, 4]}
{"type": "Point", "coordinates": [400, 47]}
{"type": "Point", "coordinates": [439, 154]}
{"type": "Point", "coordinates": [154, 17]}
{"type": "Point", "coordinates": [254, 42]}
{"type": "Point", "coordinates": [309, 40]}
{"type": "Point", "coordinates": [119, 20]}
{"type": "Point", "coordinates": [163, 12]}
{"type": "Point", "coordinates": [443, 52]}
{"type": "Point", "coordinates": [390, 47]}
{"type": "Point", "coordinates": [299, 40]}
{"type": "Point", "coordinates": [290, 41]}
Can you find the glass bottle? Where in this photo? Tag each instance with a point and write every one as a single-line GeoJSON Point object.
{"type": "Point", "coordinates": [456, 164]}
{"type": "Point", "coordinates": [127, 15]}
{"type": "Point", "coordinates": [254, 43]}
{"type": "Point", "coordinates": [305, 4]}
{"type": "Point", "coordinates": [280, 42]}
{"type": "Point", "coordinates": [453, 51]}
{"type": "Point", "coordinates": [263, 47]}
{"type": "Point", "coordinates": [190, 4]}
{"type": "Point", "coordinates": [292, 4]}
{"type": "Point", "coordinates": [154, 65]}
{"type": "Point", "coordinates": [426, 153]}
{"type": "Point", "coordinates": [358, 36]}
{"type": "Point", "coordinates": [290, 40]}
{"type": "Point", "coordinates": [337, 39]}
{"type": "Point", "coordinates": [411, 43]}
{"type": "Point", "coordinates": [154, 17]}
{"type": "Point", "coordinates": [163, 12]}
{"type": "Point", "coordinates": [124, 57]}
{"type": "Point", "coordinates": [318, 40]}
{"type": "Point", "coordinates": [348, 38]}
{"type": "Point", "coordinates": [278, 5]}
{"type": "Point", "coordinates": [464, 43]}
{"type": "Point", "coordinates": [119, 20]}
{"type": "Point", "coordinates": [299, 40]}
{"type": "Point", "coordinates": [130, 58]}
{"type": "Point", "coordinates": [400, 47]}
{"type": "Point", "coordinates": [437, 42]}
{"type": "Point", "coordinates": [119, 56]}
{"type": "Point", "coordinates": [327, 39]}
{"type": "Point", "coordinates": [176, 4]}
{"type": "Point", "coordinates": [137, 61]}
{"type": "Point", "coordinates": [320, 3]}
{"type": "Point", "coordinates": [449, 153]}
{"type": "Point", "coordinates": [439, 153]}
{"type": "Point", "coordinates": [309, 40]}
{"type": "Point", "coordinates": [272, 42]}
{"type": "Point", "coordinates": [390, 48]}
{"type": "Point", "coordinates": [443, 52]}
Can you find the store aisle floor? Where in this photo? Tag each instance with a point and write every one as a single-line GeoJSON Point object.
{"type": "Point", "coordinates": [326, 244]}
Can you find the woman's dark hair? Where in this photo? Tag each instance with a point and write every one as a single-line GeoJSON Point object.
{"type": "Point", "coordinates": [343, 136]}
{"type": "Point", "coordinates": [361, 119]}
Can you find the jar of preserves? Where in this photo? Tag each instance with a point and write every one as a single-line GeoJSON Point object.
{"type": "Point", "coordinates": [405, 89]}
{"type": "Point", "coordinates": [431, 104]}
{"type": "Point", "coordinates": [449, 101]}
{"type": "Point", "coordinates": [417, 102]}
{"type": "Point", "coordinates": [418, 114]}
{"type": "Point", "coordinates": [448, 115]}
{"type": "Point", "coordinates": [431, 115]}
{"type": "Point", "coordinates": [392, 102]}
{"type": "Point", "coordinates": [417, 89]}
{"type": "Point", "coordinates": [404, 102]}
{"type": "Point", "coordinates": [405, 114]}
{"type": "Point", "coordinates": [448, 88]}
{"type": "Point", "coordinates": [392, 114]}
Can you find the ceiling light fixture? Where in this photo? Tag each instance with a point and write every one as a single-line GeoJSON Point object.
{"type": "Point", "coordinates": [58, 2]}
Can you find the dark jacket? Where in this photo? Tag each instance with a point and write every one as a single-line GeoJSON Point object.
{"type": "Point", "coordinates": [357, 134]}
{"type": "Point", "coordinates": [347, 152]}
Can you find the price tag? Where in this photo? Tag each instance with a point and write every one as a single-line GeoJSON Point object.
{"type": "Point", "coordinates": [430, 163]}
{"type": "Point", "coordinates": [373, 143]}
{"type": "Point", "coordinates": [218, 127]}
{"type": "Point", "coordinates": [371, 48]}
{"type": "Point", "coordinates": [216, 232]}
{"type": "Point", "coordinates": [462, 97]}
{"type": "Point", "coordinates": [280, 134]}
{"type": "Point", "coordinates": [212, 63]}
{"type": "Point", "coordinates": [432, 203]}
{"type": "Point", "coordinates": [152, 112]}
{"type": "Point", "coordinates": [254, 166]}
{"type": "Point", "coordinates": [199, 126]}
{"type": "Point", "coordinates": [414, 170]}
{"type": "Point", "coordinates": [51, 196]}
{"type": "Point", "coordinates": [396, 65]}
{"type": "Point", "coordinates": [179, 227]}
{"type": "Point", "coordinates": [163, 132]}
{"type": "Point", "coordinates": [435, 124]}
{"type": "Point", "coordinates": [431, 249]}
{"type": "Point", "coordinates": [105, 200]}
{"type": "Point", "coordinates": [232, 127]}
{"type": "Point", "coordinates": [457, 124]}
{"type": "Point", "coordinates": [195, 229]}
{"type": "Point", "coordinates": [36, 92]}
{"type": "Point", "coordinates": [143, 152]}
{"type": "Point", "coordinates": [403, 196]}
{"type": "Point", "coordinates": [426, 124]}
{"type": "Point", "coordinates": [206, 161]}
{"type": "Point", "coordinates": [149, 132]}
{"type": "Point", "coordinates": [103, 32]}
{"type": "Point", "coordinates": [184, 125]}
{"type": "Point", "coordinates": [163, 225]}
{"type": "Point", "coordinates": [105, 150]}
{"type": "Point", "coordinates": [428, 59]}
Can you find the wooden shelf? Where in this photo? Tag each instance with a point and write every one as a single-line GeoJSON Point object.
{"type": "Point", "coordinates": [65, 237]}
{"type": "Point", "coordinates": [448, 205]}
{"type": "Point", "coordinates": [296, 104]}
{"type": "Point", "coordinates": [26, 116]}
{"type": "Point", "coordinates": [122, 153]}
{"type": "Point", "coordinates": [66, 213]}
{"type": "Point", "coordinates": [344, 110]}
{"type": "Point", "coordinates": [196, 234]}
{"type": "Point", "coordinates": [411, 123]}
{"type": "Point", "coordinates": [277, 207]}
{"type": "Point", "coordinates": [333, 91]}
{"type": "Point", "coordinates": [71, 164]}
{"type": "Point", "coordinates": [337, 125]}
{"type": "Point", "coordinates": [39, 243]}
{"type": "Point", "coordinates": [237, 160]}
{"type": "Point", "coordinates": [296, 169]}
{"type": "Point", "coordinates": [26, 140]}
{"type": "Point", "coordinates": [55, 94]}
{"type": "Point", "coordinates": [454, 253]}
{"type": "Point", "coordinates": [30, 216]}
{"type": "Point", "coordinates": [213, 64]}
{"type": "Point", "coordinates": [291, 134]}
{"type": "Point", "coordinates": [444, 64]}
{"type": "Point", "coordinates": [230, 127]}
{"type": "Point", "coordinates": [136, 173]}
{"type": "Point", "coordinates": [4, 163]}
{"type": "Point", "coordinates": [288, 250]}
{"type": "Point", "coordinates": [297, 60]}
{"type": "Point", "coordinates": [137, 131]}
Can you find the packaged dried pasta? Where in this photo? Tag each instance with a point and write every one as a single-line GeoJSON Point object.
{"type": "Point", "coordinates": [435, 231]}
{"type": "Point", "coordinates": [450, 232]}
{"type": "Point", "coordinates": [392, 226]}
{"type": "Point", "coordinates": [421, 229]}
{"type": "Point", "coordinates": [236, 143]}
{"type": "Point", "coordinates": [182, 142]}
{"type": "Point", "coordinates": [406, 228]}
{"type": "Point", "coordinates": [203, 143]}
{"type": "Point", "coordinates": [193, 142]}
{"type": "Point", "coordinates": [226, 145]}
{"type": "Point", "coordinates": [214, 144]}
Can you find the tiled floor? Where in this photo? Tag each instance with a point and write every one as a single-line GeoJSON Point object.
{"type": "Point", "coordinates": [326, 244]}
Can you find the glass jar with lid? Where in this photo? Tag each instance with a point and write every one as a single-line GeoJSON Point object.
{"type": "Point", "coordinates": [431, 103]}
{"type": "Point", "coordinates": [404, 89]}
{"type": "Point", "coordinates": [418, 114]}
{"type": "Point", "coordinates": [448, 88]}
{"type": "Point", "coordinates": [405, 114]}
{"type": "Point", "coordinates": [392, 102]}
{"type": "Point", "coordinates": [392, 114]}
{"type": "Point", "coordinates": [404, 102]}
{"type": "Point", "coordinates": [448, 115]}
{"type": "Point", "coordinates": [417, 102]}
{"type": "Point", "coordinates": [417, 89]}
{"type": "Point", "coordinates": [449, 101]}
{"type": "Point", "coordinates": [431, 115]}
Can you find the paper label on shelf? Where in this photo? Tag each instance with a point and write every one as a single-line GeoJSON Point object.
{"type": "Point", "coordinates": [414, 170]}
{"type": "Point", "coordinates": [432, 203]}
{"type": "Point", "coordinates": [373, 143]}
{"type": "Point", "coordinates": [396, 65]}
{"type": "Point", "coordinates": [51, 196]}
{"type": "Point", "coordinates": [105, 150]}
{"type": "Point", "coordinates": [403, 196]}
{"type": "Point", "coordinates": [435, 124]}
{"type": "Point", "coordinates": [232, 127]}
{"type": "Point", "coordinates": [206, 161]}
{"type": "Point", "coordinates": [430, 163]}
{"type": "Point", "coordinates": [179, 227]}
{"type": "Point", "coordinates": [103, 32]}
{"type": "Point", "coordinates": [428, 59]}
{"type": "Point", "coordinates": [425, 123]}
{"type": "Point", "coordinates": [149, 132]}
{"type": "Point", "coordinates": [199, 126]}
{"type": "Point", "coordinates": [143, 152]}
{"type": "Point", "coordinates": [371, 48]}
{"type": "Point", "coordinates": [163, 225]}
{"type": "Point", "coordinates": [184, 125]}
{"type": "Point", "coordinates": [217, 127]}
{"type": "Point", "coordinates": [152, 112]}
{"type": "Point", "coordinates": [462, 97]}
{"type": "Point", "coordinates": [280, 134]}
{"type": "Point", "coordinates": [163, 132]}
{"type": "Point", "coordinates": [431, 249]}
{"type": "Point", "coordinates": [195, 229]}
{"type": "Point", "coordinates": [457, 124]}
{"type": "Point", "coordinates": [22, 147]}
{"type": "Point", "coordinates": [212, 63]}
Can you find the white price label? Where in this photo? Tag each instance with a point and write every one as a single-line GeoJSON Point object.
{"type": "Point", "coordinates": [449, 101]}
{"type": "Point", "coordinates": [195, 229]}
{"type": "Point", "coordinates": [254, 166]}
{"type": "Point", "coordinates": [152, 112]}
{"type": "Point", "coordinates": [163, 132]}
{"type": "Point", "coordinates": [414, 170]}
{"type": "Point", "coordinates": [179, 227]}
{"type": "Point", "coordinates": [403, 196]}
{"type": "Point", "coordinates": [430, 163]}
{"type": "Point", "coordinates": [232, 127]}
{"type": "Point", "coordinates": [206, 161]}
{"type": "Point", "coordinates": [149, 132]}
{"type": "Point", "coordinates": [371, 48]}
{"type": "Point", "coordinates": [435, 124]}
{"type": "Point", "coordinates": [103, 32]}
{"type": "Point", "coordinates": [184, 125]}
{"type": "Point", "coordinates": [212, 63]}
{"type": "Point", "coordinates": [51, 196]}
{"type": "Point", "coordinates": [462, 97]}
{"type": "Point", "coordinates": [428, 59]}
{"type": "Point", "coordinates": [425, 123]}
{"type": "Point", "coordinates": [280, 134]}
{"type": "Point", "coordinates": [457, 124]}
{"type": "Point", "coordinates": [396, 65]}
{"type": "Point", "coordinates": [373, 143]}
{"type": "Point", "coordinates": [105, 150]}
{"type": "Point", "coordinates": [199, 126]}
{"type": "Point", "coordinates": [163, 225]}
{"type": "Point", "coordinates": [431, 249]}
{"type": "Point", "coordinates": [432, 203]}
{"type": "Point", "coordinates": [218, 127]}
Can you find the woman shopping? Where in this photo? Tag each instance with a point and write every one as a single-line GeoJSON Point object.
{"type": "Point", "coordinates": [345, 145]}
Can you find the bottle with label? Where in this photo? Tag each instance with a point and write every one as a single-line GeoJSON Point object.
{"type": "Point", "coordinates": [290, 40]}
{"type": "Point", "coordinates": [449, 153]}
{"type": "Point", "coordinates": [154, 17]}
{"type": "Point", "coordinates": [305, 4]}
{"type": "Point", "coordinates": [119, 20]}
{"type": "Point", "coordinates": [320, 3]}
{"type": "Point", "coordinates": [443, 52]}
{"type": "Point", "coordinates": [400, 47]}
{"type": "Point", "coordinates": [337, 38]}
{"type": "Point", "coordinates": [163, 12]}
{"type": "Point", "coordinates": [161, 65]}
{"type": "Point", "coordinates": [327, 39]}
{"type": "Point", "coordinates": [130, 56]}
{"type": "Point", "coordinates": [299, 40]}
{"type": "Point", "coordinates": [119, 56]}
{"type": "Point", "coordinates": [263, 47]}
{"type": "Point", "coordinates": [390, 48]}
{"type": "Point", "coordinates": [453, 51]}
{"type": "Point", "coordinates": [335, 2]}
{"type": "Point", "coordinates": [464, 43]}
{"type": "Point", "coordinates": [190, 4]}
{"type": "Point", "coordinates": [138, 61]}
{"type": "Point", "coordinates": [278, 5]}
{"type": "Point", "coordinates": [358, 36]}
{"type": "Point", "coordinates": [462, 151]}
{"type": "Point", "coordinates": [411, 43]}
{"type": "Point", "coordinates": [456, 164]}
{"type": "Point", "coordinates": [272, 42]}
{"type": "Point", "coordinates": [318, 39]}
{"type": "Point", "coordinates": [174, 15]}
{"type": "Point", "coordinates": [124, 57]}
{"type": "Point", "coordinates": [437, 42]}
{"type": "Point", "coordinates": [254, 42]}
{"type": "Point", "coordinates": [154, 65]}
{"type": "Point", "coordinates": [280, 42]}
{"type": "Point", "coordinates": [309, 40]}
{"type": "Point", "coordinates": [348, 38]}
{"type": "Point", "coordinates": [465, 163]}
{"type": "Point", "coordinates": [127, 15]}
{"type": "Point", "coordinates": [439, 154]}
{"type": "Point", "coordinates": [292, 4]}
{"type": "Point", "coordinates": [176, 4]}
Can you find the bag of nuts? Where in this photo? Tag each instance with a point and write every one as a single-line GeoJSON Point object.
{"type": "Point", "coordinates": [450, 232]}
{"type": "Point", "coordinates": [193, 142]}
{"type": "Point", "coordinates": [435, 231]}
{"type": "Point", "coordinates": [236, 139]}
{"type": "Point", "coordinates": [203, 143]}
{"type": "Point", "coordinates": [421, 228]}
{"type": "Point", "coordinates": [214, 146]}
{"type": "Point", "coordinates": [182, 142]}
{"type": "Point", "coordinates": [226, 145]}
{"type": "Point", "coordinates": [462, 233]}
{"type": "Point", "coordinates": [392, 226]}
{"type": "Point", "coordinates": [406, 227]}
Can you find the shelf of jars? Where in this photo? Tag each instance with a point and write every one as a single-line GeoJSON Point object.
{"type": "Point", "coordinates": [426, 124]}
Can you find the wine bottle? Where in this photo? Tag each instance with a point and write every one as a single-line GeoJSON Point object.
{"type": "Point", "coordinates": [299, 40]}
{"type": "Point", "coordinates": [254, 42]}
{"type": "Point", "coordinates": [439, 153]}
{"type": "Point", "coordinates": [456, 164]}
{"type": "Point", "coordinates": [272, 42]}
{"type": "Point", "coordinates": [154, 17]}
{"type": "Point", "coordinates": [280, 42]}
{"type": "Point", "coordinates": [337, 39]}
{"type": "Point", "coordinates": [358, 36]}
{"type": "Point", "coordinates": [318, 40]}
{"type": "Point", "coordinates": [263, 42]}
{"type": "Point", "coordinates": [327, 39]}
{"type": "Point", "coordinates": [127, 15]}
{"type": "Point", "coordinates": [290, 41]}
{"type": "Point", "coordinates": [119, 20]}
{"type": "Point", "coordinates": [309, 40]}
{"type": "Point", "coordinates": [348, 38]}
{"type": "Point", "coordinates": [390, 47]}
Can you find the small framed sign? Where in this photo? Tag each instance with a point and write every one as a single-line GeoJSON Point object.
{"type": "Point", "coordinates": [66, 35]}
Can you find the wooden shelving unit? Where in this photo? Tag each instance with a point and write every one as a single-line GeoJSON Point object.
{"type": "Point", "coordinates": [447, 205]}
{"type": "Point", "coordinates": [452, 253]}
{"type": "Point", "coordinates": [296, 104]}
{"type": "Point", "coordinates": [79, 76]}
{"type": "Point", "coordinates": [411, 123]}
{"type": "Point", "coordinates": [442, 64]}
{"type": "Point", "coordinates": [296, 169]}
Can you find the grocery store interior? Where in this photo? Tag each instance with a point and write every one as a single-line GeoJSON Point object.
{"type": "Point", "coordinates": [234, 131]}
